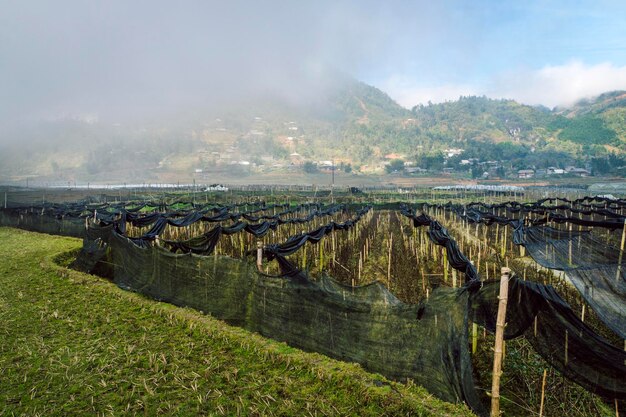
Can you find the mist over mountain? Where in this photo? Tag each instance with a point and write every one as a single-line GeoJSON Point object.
{"type": "Point", "coordinates": [87, 146]}
{"type": "Point", "coordinates": [349, 122]}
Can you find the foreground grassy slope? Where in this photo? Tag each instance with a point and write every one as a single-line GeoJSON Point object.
{"type": "Point", "coordinates": [74, 344]}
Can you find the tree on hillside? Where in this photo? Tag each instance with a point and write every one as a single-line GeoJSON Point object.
{"type": "Point", "coordinates": [433, 161]}
{"type": "Point", "coordinates": [309, 167]}
{"type": "Point", "coordinates": [396, 165]}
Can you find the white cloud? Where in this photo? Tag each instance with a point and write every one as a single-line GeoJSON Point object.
{"type": "Point", "coordinates": [560, 85]}
{"type": "Point", "coordinates": [552, 85]}
{"type": "Point", "coordinates": [408, 93]}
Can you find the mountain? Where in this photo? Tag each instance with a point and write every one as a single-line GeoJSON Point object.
{"type": "Point", "coordinates": [610, 108]}
{"type": "Point", "coordinates": [481, 118]}
{"type": "Point", "coordinates": [358, 126]}
{"type": "Point", "coordinates": [596, 105]}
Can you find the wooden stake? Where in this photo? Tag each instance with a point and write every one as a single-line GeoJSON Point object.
{"type": "Point", "coordinates": [474, 337]}
{"type": "Point", "coordinates": [621, 252]}
{"type": "Point", "coordinates": [445, 265]}
{"type": "Point", "coordinates": [259, 255]}
{"type": "Point", "coordinates": [582, 315]}
{"type": "Point", "coordinates": [321, 250]}
{"type": "Point", "coordinates": [389, 263]}
{"type": "Point", "coordinates": [497, 359]}
{"type": "Point", "coordinates": [543, 392]}
{"type": "Point", "coordinates": [570, 245]}
{"type": "Point", "coordinates": [566, 346]}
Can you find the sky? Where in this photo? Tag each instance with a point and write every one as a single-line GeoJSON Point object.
{"type": "Point", "coordinates": [118, 60]}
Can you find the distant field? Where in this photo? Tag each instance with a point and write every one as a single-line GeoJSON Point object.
{"type": "Point", "coordinates": [319, 179]}
{"type": "Point", "coordinates": [75, 344]}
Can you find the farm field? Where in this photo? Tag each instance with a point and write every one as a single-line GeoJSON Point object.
{"type": "Point", "coordinates": [346, 275]}
{"type": "Point", "coordinates": [313, 209]}
{"type": "Point", "coordinates": [75, 344]}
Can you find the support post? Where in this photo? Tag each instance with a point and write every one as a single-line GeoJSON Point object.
{"type": "Point", "coordinates": [474, 337]}
{"type": "Point", "coordinates": [543, 392]}
{"type": "Point", "coordinates": [621, 252]}
{"type": "Point", "coordinates": [497, 359]}
{"type": "Point", "coordinates": [259, 255]}
{"type": "Point", "coordinates": [569, 259]}
{"type": "Point", "coordinates": [389, 261]}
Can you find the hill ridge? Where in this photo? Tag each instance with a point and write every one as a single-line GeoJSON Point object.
{"type": "Point", "coordinates": [356, 124]}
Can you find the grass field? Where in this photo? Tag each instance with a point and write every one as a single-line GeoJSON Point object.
{"type": "Point", "coordinates": [75, 344]}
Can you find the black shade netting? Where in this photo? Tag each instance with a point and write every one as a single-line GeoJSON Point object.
{"type": "Point", "coordinates": [426, 342]}
{"type": "Point", "coordinates": [564, 250]}
{"type": "Point", "coordinates": [440, 236]}
{"type": "Point", "coordinates": [590, 264]}
{"type": "Point", "coordinates": [216, 285]}
{"type": "Point", "coordinates": [92, 252]}
{"type": "Point", "coordinates": [43, 223]}
{"type": "Point", "coordinates": [538, 313]}
{"type": "Point", "coordinates": [604, 289]}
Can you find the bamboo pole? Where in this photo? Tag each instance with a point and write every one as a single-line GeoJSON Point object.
{"type": "Point", "coordinates": [497, 233]}
{"type": "Point", "coordinates": [582, 315]}
{"type": "Point", "coordinates": [445, 265]}
{"type": "Point", "coordinates": [321, 250]}
{"type": "Point", "coordinates": [497, 359]}
{"type": "Point", "coordinates": [566, 346]}
{"type": "Point", "coordinates": [259, 255]}
{"type": "Point", "coordinates": [543, 392]}
{"type": "Point", "coordinates": [570, 245]}
{"type": "Point", "coordinates": [474, 337]}
{"type": "Point", "coordinates": [621, 252]}
{"type": "Point", "coordinates": [389, 261]}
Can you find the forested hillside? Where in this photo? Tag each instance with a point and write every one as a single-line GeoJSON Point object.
{"type": "Point", "coordinates": [355, 126]}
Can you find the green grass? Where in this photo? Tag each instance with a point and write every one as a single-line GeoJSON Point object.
{"type": "Point", "coordinates": [75, 344]}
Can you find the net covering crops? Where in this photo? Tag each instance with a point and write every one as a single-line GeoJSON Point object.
{"type": "Point", "coordinates": [426, 342]}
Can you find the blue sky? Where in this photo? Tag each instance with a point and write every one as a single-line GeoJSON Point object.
{"type": "Point", "coordinates": [539, 52]}
{"type": "Point", "coordinates": [118, 59]}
